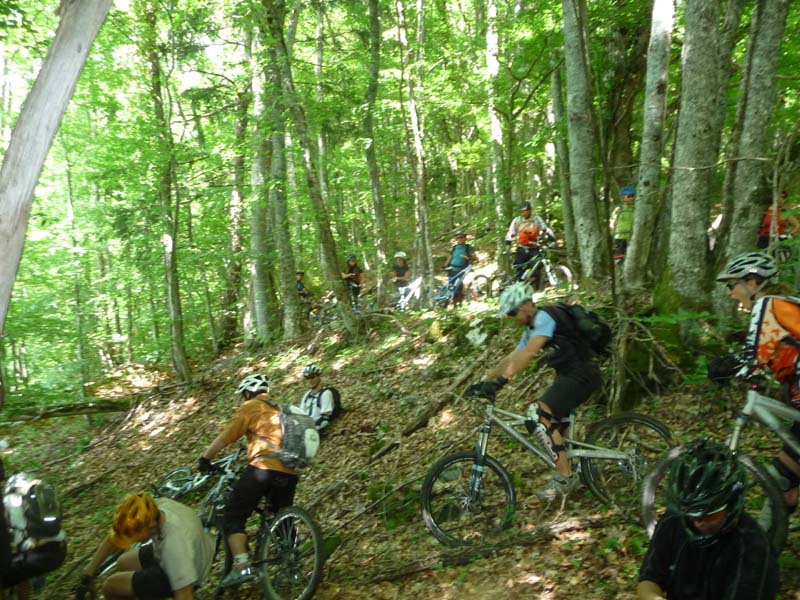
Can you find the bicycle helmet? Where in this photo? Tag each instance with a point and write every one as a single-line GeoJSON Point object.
{"type": "Point", "coordinates": [513, 296]}
{"type": "Point", "coordinates": [401, 254]}
{"type": "Point", "coordinates": [351, 256]}
{"type": "Point", "coordinates": [132, 520]}
{"type": "Point", "coordinates": [704, 480]}
{"type": "Point", "coordinates": [627, 190]}
{"type": "Point", "coordinates": [752, 263]}
{"type": "Point", "coordinates": [525, 206]}
{"type": "Point", "coordinates": [311, 371]}
{"type": "Point", "coordinates": [257, 383]}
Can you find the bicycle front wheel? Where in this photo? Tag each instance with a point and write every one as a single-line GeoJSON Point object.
{"type": "Point", "coordinates": [481, 288]}
{"type": "Point", "coordinates": [176, 483]}
{"type": "Point", "coordinates": [291, 556]}
{"type": "Point", "coordinates": [454, 512]}
{"type": "Point", "coordinates": [763, 500]}
{"type": "Point", "coordinates": [560, 278]}
{"type": "Point", "coordinates": [619, 481]}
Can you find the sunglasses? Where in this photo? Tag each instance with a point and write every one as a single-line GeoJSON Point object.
{"type": "Point", "coordinates": [732, 283]}
{"type": "Point", "coordinates": [513, 312]}
{"type": "Point", "coordinates": [709, 519]}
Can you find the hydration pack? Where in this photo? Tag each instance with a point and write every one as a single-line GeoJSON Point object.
{"type": "Point", "coordinates": [32, 507]}
{"type": "Point", "coordinates": [299, 438]}
{"type": "Point", "coordinates": [337, 400]}
{"type": "Point", "coordinates": [582, 323]}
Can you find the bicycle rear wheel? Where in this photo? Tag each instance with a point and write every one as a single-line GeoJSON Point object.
{"type": "Point", "coordinates": [455, 515]}
{"type": "Point", "coordinates": [764, 501]}
{"type": "Point", "coordinates": [481, 287]}
{"type": "Point", "coordinates": [619, 481]}
{"type": "Point", "coordinates": [291, 556]}
{"type": "Point", "coordinates": [176, 483]}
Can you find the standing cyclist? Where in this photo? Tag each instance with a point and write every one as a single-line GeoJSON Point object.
{"type": "Point", "coordinates": [461, 256]}
{"type": "Point", "coordinates": [576, 378]}
{"type": "Point", "coordinates": [354, 277]}
{"type": "Point", "coordinates": [525, 231]}
{"type": "Point", "coordinates": [317, 402]}
{"type": "Point", "coordinates": [259, 419]}
{"type": "Point", "coordinates": [706, 547]}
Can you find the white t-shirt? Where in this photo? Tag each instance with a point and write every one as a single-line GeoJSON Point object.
{"type": "Point", "coordinates": [316, 403]}
{"type": "Point", "coordinates": [183, 549]}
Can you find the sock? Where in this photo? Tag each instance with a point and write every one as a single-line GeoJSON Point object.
{"type": "Point", "coordinates": [239, 559]}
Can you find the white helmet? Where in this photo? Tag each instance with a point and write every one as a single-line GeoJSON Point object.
{"type": "Point", "coordinates": [311, 370]}
{"type": "Point", "coordinates": [752, 263]}
{"type": "Point", "coordinates": [400, 254]}
{"type": "Point", "coordinates": [257, 383]}
{"type": "Point", "coordinates": [513, 296]}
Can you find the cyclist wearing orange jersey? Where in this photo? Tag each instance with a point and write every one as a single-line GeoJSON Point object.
{"type": "Point", "coordinates": [265, 476]}
{"type": "Point", "coordinates": [772, 343]}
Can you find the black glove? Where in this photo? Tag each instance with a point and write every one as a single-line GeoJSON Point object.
{"type": "Point", "coordinates": [84, 588]}
{"type": "Point", "coordinates": [487, 388]}
{"type": "Point", "coordinates": [204, 465]}
{"type": "Point", "coordinates": [721, 369]}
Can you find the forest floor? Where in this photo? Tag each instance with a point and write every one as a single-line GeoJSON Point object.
{"type": "Point", "coordinates": [387, 379]}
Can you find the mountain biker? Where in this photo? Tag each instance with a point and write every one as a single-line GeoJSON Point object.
{"type": "Point", "coordinates": [622, 222]}
{"type": "Point", "coordinates": [785, 218]}
{"type": "Point", "coordinates": [178, 559]}
{"type": "Point", "coordinates": [461, 256]}
{"type": "Point", "coordinates": [401, 270]}
{"type": "Point", "coordinates": [706, 547]}
{"type": "Point", "coordinates": [526, 230]}
{"type": "Point", "coordinates": [264, 476]}
{"type": "Point", "coordinates": [301, 286]}
{"type": "Point", "coordinates": [771, 343]}
{"type": "Point", "coordinates": [576, 378]}
{"type": "Point", "coordinates": [354, 277]}
{"type": "Point", "coordinates": [317, 402]}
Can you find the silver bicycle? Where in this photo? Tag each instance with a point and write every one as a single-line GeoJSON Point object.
{"type": "Point", "coordinates": [764, 500]}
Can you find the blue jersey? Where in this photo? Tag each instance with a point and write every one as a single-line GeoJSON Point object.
{"type": "Point", "coordinates": [459, 256]}
{"type": "Point", "coordinates": [543, 325]}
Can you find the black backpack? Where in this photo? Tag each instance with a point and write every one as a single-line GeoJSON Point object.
{"type": "Point", "coordinates": [337, 400]}
{"type": "Point", "coordinates": [583, 323]}
{"type": "Point", "coordinates": [40, 505]}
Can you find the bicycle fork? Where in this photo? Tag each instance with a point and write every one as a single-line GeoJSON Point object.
{"type": "Point", "coordinates": [478, 467]}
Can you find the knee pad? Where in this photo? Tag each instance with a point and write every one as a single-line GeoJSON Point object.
{"type": "Point", "coordinates": [783, 475]}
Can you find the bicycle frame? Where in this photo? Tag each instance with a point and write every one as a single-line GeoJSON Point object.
{"type": "Point", "coordinates": [448, 290]}
{"type": "Point", "coordinates": [768, 411]}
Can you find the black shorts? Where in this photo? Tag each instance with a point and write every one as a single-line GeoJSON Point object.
{"type": "Point", "coordinates": [571, 389]}
{"type": "Point", "coordinates": [252, 485]}
{"type": "Point", "coordinates": [151, 582]}
{"type": "Point", "coordinates": [33, 563]}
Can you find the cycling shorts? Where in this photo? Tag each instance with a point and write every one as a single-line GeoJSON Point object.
{"type": "Point", "coordinates": [571, 389]}
{"type": "Point", "coordinates": [152, 581]}
{"type": "Point", "coordinates": [252, 485]}
{"type": "Point", "coordinates": [33, 563]}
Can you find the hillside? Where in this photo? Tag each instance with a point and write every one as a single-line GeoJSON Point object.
{"type": "Point", "coordinates": [365, 486]}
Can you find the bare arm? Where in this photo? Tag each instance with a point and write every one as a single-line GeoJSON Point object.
{"type": "Point", "coordinates": [185, 593]}
{"type": "Point", "coordinates": [104, 550]}
{"type": "Point", "coordinates": [649, 590]}
{"type": "Point", "coordinates": [215, 448]}
{"type": "Point", "coordinates": [517, 360]}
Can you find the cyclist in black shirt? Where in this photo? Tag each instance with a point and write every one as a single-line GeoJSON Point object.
{"type": "Point", "coordinates": [706, 547]}
{"type": "Point", "coordinates": [401, 270]}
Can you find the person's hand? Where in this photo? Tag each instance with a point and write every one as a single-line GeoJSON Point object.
{"type": "Point", "coordinates": [85, 588]}
{"type": "Point", "coordinates": [204, 465]}
{"type": "Point", "coordinates": [721, 369]}
{"type": "Point", "coordinates": [487, 388]}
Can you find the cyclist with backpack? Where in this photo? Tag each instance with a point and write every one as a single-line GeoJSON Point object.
{"type": "Point", "coordinates": [321, 403]}
{"type": "Point", "coordinates": [258, 418]}
{"type": "Point", "coordinates": [526, 230]}
{"type": "Point", "coordinates": [461, 256]}
{"type": "Point", "coordinates": [772, 343]}
{"type": "Point", "coordinates": [401, 270]}
{"type": "Point", "coordinates": [177, 561]}
{"type": "Point", "coordinates": [622, 222]}
{"type": "Point", "coordinates": [553, 330]}
{"type": "Point", "coordinates": [354, 277]}
{"type": "Point", "coordinates": [706, 547]}
{"type": "Point", "coordinates": [33, 541]}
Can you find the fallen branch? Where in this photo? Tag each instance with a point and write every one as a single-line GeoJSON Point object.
{"type": "Point", "coordinates": [69, 410]}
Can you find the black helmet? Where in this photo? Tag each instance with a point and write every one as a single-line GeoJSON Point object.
{"type": "Point", "coordinates": [525, 206]}
{"type": "Point", "coordinates": [706, 479]}
{"type": "Point", "coordinates": [351, 256]}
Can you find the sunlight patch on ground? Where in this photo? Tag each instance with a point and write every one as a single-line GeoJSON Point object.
{"type": "Point", "coordinates": [444, 420]}
{"type": "Point", "coordinates": [289, 359]}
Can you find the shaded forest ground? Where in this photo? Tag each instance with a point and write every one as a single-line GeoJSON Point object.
{"type": "Point", "coordinates": [364, 487]}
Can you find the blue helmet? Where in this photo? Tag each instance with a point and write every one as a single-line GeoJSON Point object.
{"type": "Point", "coordinates": [627, 190]}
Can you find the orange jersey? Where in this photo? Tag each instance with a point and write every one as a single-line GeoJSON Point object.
{"type": "Point", "coordinates": [772, 340]}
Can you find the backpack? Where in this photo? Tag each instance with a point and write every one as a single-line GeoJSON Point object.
{"type": "Point", "coordinates": [586, 324]}
{"type": "Point", "coordinates": [299, 438]}
{"type": "Point", "coordinates": [32, 507]}
{"type": "Point", "coordinates": [337, 400]}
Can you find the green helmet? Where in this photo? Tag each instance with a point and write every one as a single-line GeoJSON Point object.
{"type": "Point", "coordinates": [706, 479]}
{"type": "Point", "coordinates": [513, 296]}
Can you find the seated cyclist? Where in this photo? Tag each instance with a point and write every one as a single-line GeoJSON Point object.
{"type": "Point", "coordinates": [770, 344]}
{"type": "Point", "coordinates": [171, 567]}
{"type": "Point", "coordinates": [265, 476]}
{"type": "Point", "coordinates": [318, 401]}
{"type": "Point", "coordinates": [576, 378]}
{"type": "Point", "coordinates": [706, 547]}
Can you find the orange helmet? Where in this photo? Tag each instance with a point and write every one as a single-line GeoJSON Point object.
{"type": "Point", "coordinates": [133, 519]}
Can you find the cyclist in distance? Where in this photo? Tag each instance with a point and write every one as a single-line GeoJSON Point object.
{"type": "Point", "coordinates": [706, 547]}
{"type": "Point", "coordinates": [301, 286]}
{"type": "Point", "coordinates": [317, 402]}
{"type": "Point", "coordinates": [354, 277]}
{"type": "Point", "coordinates": [622, 222]}
{"type": "Point", "coordinates": [785, 218]}
{"type": "Point", "coordinates": [259, 419]}
{"type": "Point", "coordinates": [526, 232]}
{"type": "Point", "coordinates": [178, 559]}
{"type": "Point", "coordinates": [401, 270]}
{"type": "Point", "coordinates": [577, 376]}
{"type": "Point", "coordinates": [772, 343]}
{"type": "Point", "coordinates": [461, 256]}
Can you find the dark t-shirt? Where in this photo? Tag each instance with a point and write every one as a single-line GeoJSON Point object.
{"type": "Point", "coordinates": [400, 272]}
{"type": "Point", "coordinates": [355, 270]}
{"type": "Point", "coordinates": [740, 565]}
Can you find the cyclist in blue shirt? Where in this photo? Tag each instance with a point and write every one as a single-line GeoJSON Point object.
{"type": "Point", "coordinates": [461, 256]}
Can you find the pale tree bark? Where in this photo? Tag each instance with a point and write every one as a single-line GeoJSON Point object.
{"type": "Point", "coordinates": [501, 202]}
{"type": "Point", "coordinates": [687, 275]}
{"type": "Point", "coordinates": [590, 232]}
{"type": "Point", "coordinates": [766, 33]}
{"type": "Point", "coordinates": [170, 208]}
{"type": "Point", "coordinates": [35, 129]}
{"type": "Point", "coordinates": [562, 156]}
{"type": "Point", "coordinates": [275, 10]}
{"type": "Point", "coordinates": [645, 212]}
{"type": "Point", "coordinates": [378, 211]}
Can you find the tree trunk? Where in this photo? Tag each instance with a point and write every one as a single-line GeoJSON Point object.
{"type": "Point", "coordinates": [645, 212]}
{"type": "Point", "coordinates": [687, 276]}
{"type": "Point", "coordinates": [590, 232]}
{"type": "Point", "coordinates": [36, 126]}
{"type": "Point", "coordinates": [562, 158]}
{"type": "Point", "coordinates": [275, 17]}
{"type": "Point", "coordinates": [497, 179]}
{"type": "Point", "coordinates": [766, 33]}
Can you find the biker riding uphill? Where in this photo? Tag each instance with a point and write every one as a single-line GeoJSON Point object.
{"type": "Point", "coordinates": [576, 378]}
{"type": "Point", "coordinates": [771, 343]}
{"type": "Point", "coordinates": [264, 476]}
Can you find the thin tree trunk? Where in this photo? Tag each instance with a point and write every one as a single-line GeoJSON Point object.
{"type": "Point", "coordinates": [562, 156]}
{"type": "Point", "coordinates": [497, 181]}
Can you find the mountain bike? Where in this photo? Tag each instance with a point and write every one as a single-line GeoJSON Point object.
{"type": "Point", "coordinates": [764, 500]}
{"type": "Point", "coordinates": [408, 295]}
{"type": "Point", "coordinates": [540, 272]}
{"type": "Point", "coordinates": [469, 497]}
{"type": "Point", "coordinates": [450, 290]}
